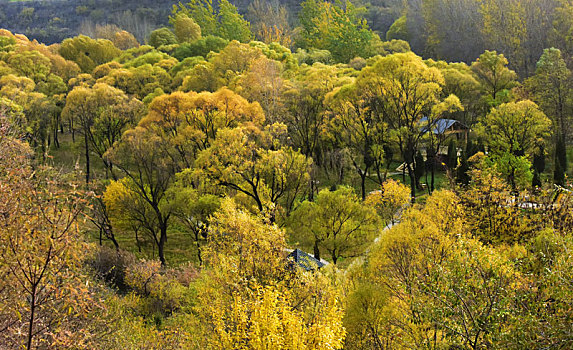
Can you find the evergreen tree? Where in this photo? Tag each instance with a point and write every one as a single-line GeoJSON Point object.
{"type": "Point", "coordinates": [452, 161]}
{"type": "Point", "coordinates": [536, 182]}
{"type": "Point", "coordinates": [471, 148]}
{"type": "Point", "coordinates": [560, 162]}
{"type": "Point", "coordinates": [538, 167]}
{"type": "Point", "coordinates": [539, 160]}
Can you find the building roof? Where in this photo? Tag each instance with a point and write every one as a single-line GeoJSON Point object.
{"type": "Point", "coordinates": [441, 126]}
{"type": "Point", "coordinates": [305, 260]}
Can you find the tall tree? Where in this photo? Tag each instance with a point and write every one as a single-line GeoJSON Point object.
{"type": "Point", "coordinates": [226, 22]}
{"type": "Point", "coordinates": [45, 301]}
{"type": "Point", "coordinates": [103, 114]}
{"type": "Point", "coordinates": [232, 25]}
{"type": "Point", "coordinates": [403, 89]}
{"type": "Point", "coordinates": [453, 29]}
{"type": "Point", "coordinates": [359, 129]}
{"type": "Point", "coordinates": [551, 88]}
{"type": "Point", "coordinates": [186, 30]}
{"type": "Point", "coordinates": [336, 222]}
{"type": "Point", "coordinates": [335, 28]}
{"type": "Point", "coordinates": [514, 132]}
{"type": "Point", "coordinates": [168, 139]}
{"type": "Point", "coordinates": [496, 79]}
{"type": "Point", "coordinates": [144, 158]}
{"type": "Point", "coordinates": [239, 160]}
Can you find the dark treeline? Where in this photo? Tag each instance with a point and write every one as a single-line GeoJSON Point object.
{"type": "Point", "coordinates": [53, 21]}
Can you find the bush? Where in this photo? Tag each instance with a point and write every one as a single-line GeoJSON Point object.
{"type": "Point", "coordinates": [201, 47]}
{"type": "Point", "coordinates": [111, 265]}
{"type": "Point", "coordinates": [162, 36]}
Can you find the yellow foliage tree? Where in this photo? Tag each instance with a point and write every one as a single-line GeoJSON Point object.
{"type": "Point", "coordinates": [250, 300]}
{"type": "Point", "coordinates": [389, 200]}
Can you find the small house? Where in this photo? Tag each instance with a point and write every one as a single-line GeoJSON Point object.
{"type": "Point", "coordinates": [301, 259]}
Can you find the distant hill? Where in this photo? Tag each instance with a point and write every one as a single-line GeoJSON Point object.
{"type": "Point", "coordinates": [52, 21]}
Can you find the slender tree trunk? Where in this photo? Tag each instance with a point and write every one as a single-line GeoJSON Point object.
{"type": "Point", "coordinates": [31, 319]}
{"type": "Point", "coordinates": [161, 245]}
{"type": "Point", "coordinates": [87, 158]}
{"type": "Point", "coordinates": [316, 250]}
{"type": "Point", "coordinates": [334, 256]}
{"type": "Point", "coordinates": [409, 159]}
{"type": "Point", "coordinates": [198, 248]}
{"type": "Point", "coordinates": [111, 236]}
{"type": "Point", "coordinates": [362, 183]}
{"type": "Point", "coordinates": [72, 131]}
{"type": "Point", "coordinates": [56, 140]}
{"type": "Point", "coordinates": [433, 178]}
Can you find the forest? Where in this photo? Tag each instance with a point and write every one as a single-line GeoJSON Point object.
{"type": "Point", "coordinates": [267, 175]}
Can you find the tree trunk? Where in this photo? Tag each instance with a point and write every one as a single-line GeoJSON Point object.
{"type": "Point", "coordinates": [413, 181]}
{"type": "Point", "coordinates": [362, 183]}
{"type": "Point", "coordinates": [433, 178]}
{"type": "Point", "coordinates": [198, 247]}
{"type": "Point", "coordinates": [87, 158]}
{"type": "Point", "coordinates": [72, 131]}
{"type": "Point", "coordinates": [56, 140]}
{"type": "Point", "coordinates": [111, 236]}
{"type": "Point", "coordinates": [161, 245]}
{"type": "Point", "coordinates": [316, 250]}
{"type": "Point", "coordinates": [31, 319]}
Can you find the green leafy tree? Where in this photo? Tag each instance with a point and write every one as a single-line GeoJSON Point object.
{"type": "Point", "coordinates": [551, 88]}
{"type": "Point", "coordinates": [560, 168]}
{"type": "Point", "coordinates": [336, 29]}
{"type": "Point", "coordinates": [103, 114]}
{"type": "Point", "coordinates": [226, 22]}
{"type": "Point", "coordinates": [88, 53]}
{"type": "Point", "coordinates": [398, 30]}
{"type": "Point", "coordinates": [200, 47]}
{"type": "Point", "coordinates": [402, 89]}
{"type": "Point", "coordinates": [496, 79]}
{"type": "Point", "coordinates": [162, 36]}
{"type": "Point", "coordinates": [514, 131]}
{"type": "Point", "coordinates": [336, 222]}
{"type": "Point", "coordinates": [516, 127]}
{"type": "Point", "coordinates": [186, 30]}
{"type": "Point", "coordinates": [239, 161]}
{"type": "Point", "coordinates": [201, 11]}
{"type": "Point", "coordinates": [143, 158]}
{"type": "Point", "coordinates": [31, 64]}
{"type": "Point", "coordinates": [357, 128]}
{"type": "Point", "coordinates": [232, 25]}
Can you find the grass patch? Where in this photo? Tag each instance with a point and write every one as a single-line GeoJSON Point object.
{"type": "Point", "coordinates": [180, 247]}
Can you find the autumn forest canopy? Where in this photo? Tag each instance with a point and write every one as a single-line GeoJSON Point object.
{"type": "Point", "coordinates": [284, 175]}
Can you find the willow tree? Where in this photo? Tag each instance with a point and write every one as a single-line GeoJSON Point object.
{"type": "Point", "coordinates": [401, 89]}
{"type": "Point", "coordinates": [168, 139]}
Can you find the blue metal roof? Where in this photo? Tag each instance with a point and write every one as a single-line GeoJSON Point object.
{"type": "Point", "coordinates": [305, 260]}
{"type": "Point", "coordinates": [440, 125]}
